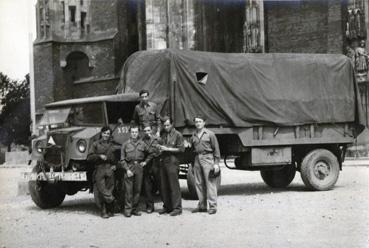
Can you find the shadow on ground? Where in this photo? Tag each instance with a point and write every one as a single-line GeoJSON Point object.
{"type": "Point", "coordinates": [85, 205]}
{"type": "Point", "coordinates": [249, 189]}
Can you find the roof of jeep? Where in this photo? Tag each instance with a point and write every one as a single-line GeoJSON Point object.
{"type": "Point", "coordinates": [126, 97]}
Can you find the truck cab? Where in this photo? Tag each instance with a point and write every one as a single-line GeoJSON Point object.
{"type": "Point", "coordinates": [70, 127]}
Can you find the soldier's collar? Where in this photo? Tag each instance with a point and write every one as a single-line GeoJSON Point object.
{"type": "Point", "coordinates": [135, 141]}
{"type": "Point", "coordinates": [145, 104]}
{"type": "Point", "coordinates": [171, 132]}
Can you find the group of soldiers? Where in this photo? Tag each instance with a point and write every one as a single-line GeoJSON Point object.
{"type": "Point", "coordinates": [150, 152]}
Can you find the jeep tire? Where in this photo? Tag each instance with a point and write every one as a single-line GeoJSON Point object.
{"type": "Point", "coordinates": [45, 195]}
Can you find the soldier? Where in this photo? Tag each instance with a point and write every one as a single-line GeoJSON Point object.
{"type": "Point", "coordinates": [147, 113]}
{"type": "Point", "coordinates": [206, 147]}
{"type": "Point", "coordinates": [172, 144]}
{"type": "Point", "coordinates": [133, 160]}
{"type": "Point", "coordinates": [151, 170]}
{"type": "Point", "coordinates": [101, 153]}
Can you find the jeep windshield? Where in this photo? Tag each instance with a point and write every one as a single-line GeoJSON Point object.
{"type": "Point", "coordinates": [55, 116]}
{"type": "Point", "coordinates": [88, 114]}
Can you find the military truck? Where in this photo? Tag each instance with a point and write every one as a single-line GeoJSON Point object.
{"type": "Point", "coordinates": [274, 113]}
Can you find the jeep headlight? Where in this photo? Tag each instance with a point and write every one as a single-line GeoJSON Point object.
{"type": "Point", "coordinates": [38, 146]}
{"type": "Point", "coordinates": [81, 145]}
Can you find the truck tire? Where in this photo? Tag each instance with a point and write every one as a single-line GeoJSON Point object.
{"type": "Point", "coordinates": [44, 194]}
{"type": "Point", "coordinates": [320, 170]}
{"type": "Point", "coordinates": [278, 178]}
{"type": "Point", "coordinates": [191, 183]}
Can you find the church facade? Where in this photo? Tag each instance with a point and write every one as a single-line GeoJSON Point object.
{"type": "Point", "coordinates": [81, 45]}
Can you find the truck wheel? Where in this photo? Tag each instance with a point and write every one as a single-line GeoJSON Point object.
{"type": "Point", "coordinates": [320, 170]}
{"type": "Point", "coordinates": [278, 178]}
{"type": "Point", "coordinates": [44, 194]}
{"type": "Point", "coordinates": [191, 183]}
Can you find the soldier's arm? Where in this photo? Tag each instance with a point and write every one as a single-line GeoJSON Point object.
{"type": "Point", "coordinates": [149, 155]}
{"type": "Point", "coordinates": [93, 156]}
{"type": "Point", "coordinates": [215, 145]}
{"type": "Point", "coordinates": [123, 163]}
{"type": "Point", "coordinates": [111, 154]}
{"type": "Point", "coordinates": [179, 145]}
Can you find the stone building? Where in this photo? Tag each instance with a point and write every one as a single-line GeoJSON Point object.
{"type": "Point", "coordinates": [81, 45]}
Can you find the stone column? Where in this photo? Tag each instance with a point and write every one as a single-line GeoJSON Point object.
{"type": "Point", "coordinates": [78, 18]}
{"type": "Point", "coordinates": [366, 6]}
{"type": "Point", "coordinates": [335, 33]}
{"type": "Point", "coordinates": [67, 21]}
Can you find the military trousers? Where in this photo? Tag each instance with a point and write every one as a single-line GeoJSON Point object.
{"type": "Point", "coordinates": [169, 183]}
{"type": "Point", "coordinates": [104, 182]}
{"type": "Point", "coordinates": [206, 188]}
{"type": "Point", "coordinates": [132, 186]}
{"type": "Point", "coordinates": [151, 178]}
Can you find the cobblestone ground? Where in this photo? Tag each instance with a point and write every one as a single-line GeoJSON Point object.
{"type": "Point", "coordinates": [250, 215]}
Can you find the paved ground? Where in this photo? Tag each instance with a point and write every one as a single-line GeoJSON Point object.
{"type": "Point", "coordinates": [250, 215]}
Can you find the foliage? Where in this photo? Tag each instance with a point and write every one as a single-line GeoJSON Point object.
{"type": "Point", "coordinates": [14, 111]}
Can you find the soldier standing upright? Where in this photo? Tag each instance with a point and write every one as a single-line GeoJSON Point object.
{"type": "Point", "coordinates": [147, 113]}
{"type": "Point", "coordinates": [172, 144]}
{"type": "Point", "coordinates": [133, 159]}
{"type": "Point", "coordinates": [151, 170]}
{"type": "Point", "coordinates": [206, 147]}
{"type": "Point", "coordinates": [101, 153]}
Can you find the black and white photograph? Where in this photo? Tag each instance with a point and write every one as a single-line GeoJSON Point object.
{"type": "Point", "coordinates": [184, 123]}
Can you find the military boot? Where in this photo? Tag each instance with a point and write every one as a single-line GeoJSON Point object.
{"type": "Point", "coordinates": [104, 214]}
{"type": "Point", "coordinates": [110, 209]}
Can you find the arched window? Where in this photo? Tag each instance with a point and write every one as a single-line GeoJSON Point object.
{"type": "Point", "coordinates": [77, 66]}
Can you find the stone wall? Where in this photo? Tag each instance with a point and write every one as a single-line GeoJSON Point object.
{"type": "Point", "coordinates": [44, 75]}
{"type": "Point", "coordinates": [111, 37]}
{"type": "Point", "coordinates": [304, 26]}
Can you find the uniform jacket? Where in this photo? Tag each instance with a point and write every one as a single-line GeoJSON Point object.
{"type": "Point", "coordinates": [152, 143]}
{"type": "Point", "coordinates": [101, 147]}
{"type": "Point", "coordinates": [134, 152]}
{"type": "Point", "coordinates": [146, 114]}
{"type": "Point", "coordinates": [206, 143]}
{"type": "Point", "coordinates": [173, 139]}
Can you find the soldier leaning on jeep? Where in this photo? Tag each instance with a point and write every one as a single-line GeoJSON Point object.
{"type": "Point", "coordinates": [101, 153]}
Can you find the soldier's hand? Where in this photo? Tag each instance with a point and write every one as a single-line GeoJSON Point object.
{"type": "Point", "coordinates": [158, 133]}
{"type": "Point", "coordinates": [163, 148]}
{"type": "Point", "coordinates": [129, 173]}
{"type": "Point", "coordinates": [143, 164]}
{"type": "Point", "coordinates": [103, 157]}
{"type": "Point", "coordinates": [216, 168]}
{"type": "Point", "coordinates": [186, 144]}
{"type": "Point", "coordinates": [113, 168]}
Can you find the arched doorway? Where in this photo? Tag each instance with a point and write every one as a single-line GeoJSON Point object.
{"type": "Point", "coordinates": [76, 69]}
{"type": "Point", "coordinates": [77, 66]}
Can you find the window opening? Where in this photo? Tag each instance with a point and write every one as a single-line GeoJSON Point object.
{"type": "Point", "coordinates": [201, 77]}
{"type": "Point", "coordinates": [72, 13]}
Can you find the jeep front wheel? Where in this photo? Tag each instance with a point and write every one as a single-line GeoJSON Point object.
{"type": "Point", "coordinates": [320, 170]}
{"type": "Point", "coordinates": [44, 194]}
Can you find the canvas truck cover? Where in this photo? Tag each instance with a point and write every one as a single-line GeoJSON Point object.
{"type": "Point", "coordinates": [244, 90]}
